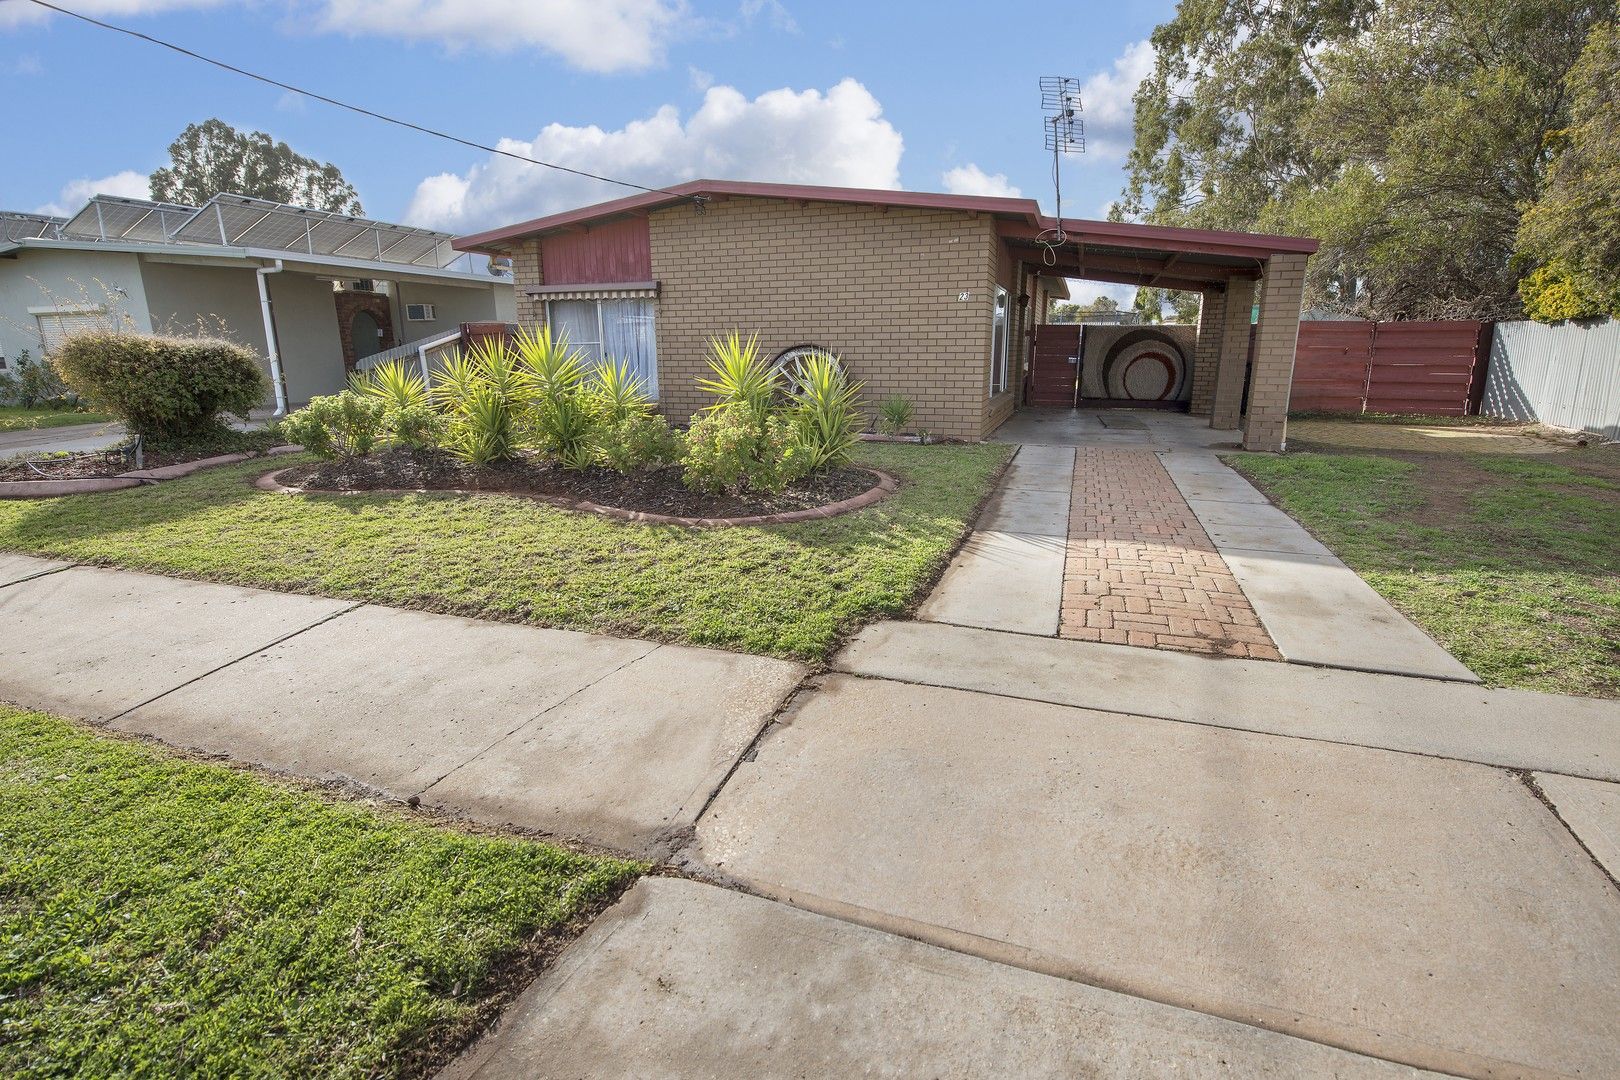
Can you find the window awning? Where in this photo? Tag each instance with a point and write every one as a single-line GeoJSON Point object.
{"type": "Point", "coordinates": [629, 290]}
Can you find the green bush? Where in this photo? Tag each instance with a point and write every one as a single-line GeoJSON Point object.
{"type": "Point", "coordinates": [616, 393]}
{"type": "Point", "coordinates": [726, 451]}
{"type": "Point", "coordinates": [34, 384]}
{"type": "Point", "coordinates": [418, 427]}
{"type": "Point", "coordinates": [162, 387]}
{"type": "Point", "coordinates": [636, 441]}
{"type": "Point", "coordinates": [894, 415]}
{"type": "Point", "coordinates": [342, 425]}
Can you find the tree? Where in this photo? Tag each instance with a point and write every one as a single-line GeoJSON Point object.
{"type": "Point", "coordinates": [1150, 303]}
{"type": "Point", "coordinates": [1073, 313]}
{"type": "Point", "coordinates": [1571, 234]}
{"type": "Point", "coordinates": [1406, 134]}
{"type": "Point", "coordinates": [213, 157]}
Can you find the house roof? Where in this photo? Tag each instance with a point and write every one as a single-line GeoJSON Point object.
{"type": "Point", "coordinates": [334, 266]}
{"type": "Point", "coordinates": [1115, 249]}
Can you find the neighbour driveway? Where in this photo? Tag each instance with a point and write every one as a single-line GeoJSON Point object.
{"type": "Point", "coordinates": [988, 841]}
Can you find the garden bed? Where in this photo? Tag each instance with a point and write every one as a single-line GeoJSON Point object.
{"type": "Point", "coordinates": [649, 494]}
{"type": "Point", "coordinates": [85, 473]}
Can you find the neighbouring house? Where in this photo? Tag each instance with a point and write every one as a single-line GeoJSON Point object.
{"type": "Point", "coordinates": [941, 298]}
{"type": "Point", "coordinates": [316, 294]}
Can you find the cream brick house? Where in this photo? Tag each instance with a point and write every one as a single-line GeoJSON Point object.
{"type": "Point", "coordinates": [936, 297]}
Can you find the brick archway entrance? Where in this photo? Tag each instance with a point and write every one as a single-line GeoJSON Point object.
{"type": "Point", "coordinates": [377, 306]}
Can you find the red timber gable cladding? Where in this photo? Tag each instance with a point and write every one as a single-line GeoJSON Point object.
{"type": "Point", "coordinates": [610, 253]}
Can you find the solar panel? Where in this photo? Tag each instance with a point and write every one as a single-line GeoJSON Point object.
{"type": "Point", "coordinates": [15, 225]}
{"type": "Point", "coordinates": [113, 217]}
{"type": "Point", "coordinates": [242, 221]}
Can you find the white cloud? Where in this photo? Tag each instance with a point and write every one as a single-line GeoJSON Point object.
{"type": "Point", "coordinates": [701, 80]}
{"type": "Point", "coordinates": [780, 17]}
{"type": "Point", "coordinates": [1106, 104]}
{"type": "Point", "coordinates": [595, 35]}
{"type": "Point", "coordinates": [834, 137]}
{"type": "Point", "coordinates": [969, 179]}
{"type": "Point", "coordinates": [75, 193]}
{"type": "Point", "coordinates": [20, 11]}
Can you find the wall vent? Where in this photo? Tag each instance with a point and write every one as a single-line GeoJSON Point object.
{"type": "Point", "coordinates": [419, 312]}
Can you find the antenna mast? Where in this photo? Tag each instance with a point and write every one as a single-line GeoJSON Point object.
{"type": "Point", "coordinates": [1065, 134]}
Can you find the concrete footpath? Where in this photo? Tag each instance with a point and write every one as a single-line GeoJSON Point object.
{"type": "Point", "coordinates": [612, 742]}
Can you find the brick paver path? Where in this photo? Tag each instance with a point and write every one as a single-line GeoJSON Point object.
{"type": "Point", "coordinates": [1140, 570]}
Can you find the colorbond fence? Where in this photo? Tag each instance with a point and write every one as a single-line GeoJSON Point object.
{"type": "Point", "coordinates": [1566, 375]}
{"type": "Point", "coordinates": [1392, 367]}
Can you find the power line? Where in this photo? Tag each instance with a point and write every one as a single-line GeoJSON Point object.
{"type": "Point", "coordinates": [697, 200]}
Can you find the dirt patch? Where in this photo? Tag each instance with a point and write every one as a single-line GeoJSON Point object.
{"type": "Point", "coordinates": [647, 491]}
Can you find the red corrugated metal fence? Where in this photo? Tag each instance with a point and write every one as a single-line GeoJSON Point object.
{"type": "Point", "coordinates": [1389, 367]}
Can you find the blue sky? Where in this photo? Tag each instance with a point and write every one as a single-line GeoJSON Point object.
{"type": "Point", "coordinates": [928, 96]}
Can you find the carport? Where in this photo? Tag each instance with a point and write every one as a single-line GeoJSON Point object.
{"type": "Point", "coordinates": [1236, 274]}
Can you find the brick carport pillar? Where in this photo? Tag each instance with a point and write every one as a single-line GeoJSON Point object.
{"type": "Point", "coordinates": [1207, 353]}
{"type": "Point", "coordinates": [1275, 338]}
{"type": "Point", "coordinates": [1227, 407]}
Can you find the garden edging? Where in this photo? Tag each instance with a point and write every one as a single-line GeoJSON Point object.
{"type": "Point", "coordinates": [886, 486]}
{"type": "Point", "coordinates": [46, 489]}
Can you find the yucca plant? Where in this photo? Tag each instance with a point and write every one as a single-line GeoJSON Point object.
{"type": "Point", "coordinates": [825, 414]}
{"type": "Point", "coordinates": [395, 384]}
{"type": "Point", "coordinates": [617, 393]}
{"type": "Point", "coordinates": [894, 415]}
{"type": "Point", "coordinates": [741, 377]}
{"type": "Point", "coordinates": [457, 378]}
{"type": "Point", "coordinates": [483, 429]}
{"type": "Point", "coordinates": [550, 364]}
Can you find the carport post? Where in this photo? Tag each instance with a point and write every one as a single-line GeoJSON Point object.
{"type": "Point", "coordinates": [1207, 353]}
{"type": "Point", "coordinates": [1227, 408]}
{"type": "Point", "coordinates": [1275, 338]}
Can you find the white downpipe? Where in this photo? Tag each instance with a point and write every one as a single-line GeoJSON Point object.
{"type": "Point", "coordinates": [271, 345]}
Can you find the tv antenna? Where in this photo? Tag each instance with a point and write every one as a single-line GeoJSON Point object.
{"type": "Point", "coordinates": [1065, 134]}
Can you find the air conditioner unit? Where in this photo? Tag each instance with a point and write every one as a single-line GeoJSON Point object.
{"type": "Point", "coordinates": [419, 312]}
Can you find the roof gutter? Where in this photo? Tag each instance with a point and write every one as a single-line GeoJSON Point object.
{"type": "Point", "coordinates": [272, 346]}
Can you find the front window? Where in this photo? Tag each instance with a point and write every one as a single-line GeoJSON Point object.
{"type": "Point", "coordinates": [622, 331]}
{"type": "Point", "coordinates": [998, 343]}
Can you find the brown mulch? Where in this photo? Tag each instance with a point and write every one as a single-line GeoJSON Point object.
{"type": "Point", "coordinates": [648, 491]}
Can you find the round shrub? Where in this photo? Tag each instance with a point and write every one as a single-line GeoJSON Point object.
{"type": "Point", "coordinates": [162, 387]}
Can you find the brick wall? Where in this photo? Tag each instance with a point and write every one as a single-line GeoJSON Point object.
{"type": "Point", "coordinates": [527, 273]}
{"type": "Point", "coordinates": [878, 288]}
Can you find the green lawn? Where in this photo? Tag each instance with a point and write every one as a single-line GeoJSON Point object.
{"type": "Point", "coordinates": [17, 418]}
{"type": "Point", "coordinates": [1510, 562]}
{"type": "Point", "coordinates": [162, 917]}
{"type": "Point", "coordinates": [787, 590]}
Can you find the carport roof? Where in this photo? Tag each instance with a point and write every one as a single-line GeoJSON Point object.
{"type": "Point", "coordinates": [1102, 250]}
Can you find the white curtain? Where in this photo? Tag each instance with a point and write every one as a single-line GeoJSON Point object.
{"type": "Point", "coordinates": [627, 326]}
{"type": "Point", "coordinates": [576, 321]}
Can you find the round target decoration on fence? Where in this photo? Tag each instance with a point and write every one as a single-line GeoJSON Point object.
{"type": "Point", "coordinates": [1147, 369]}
